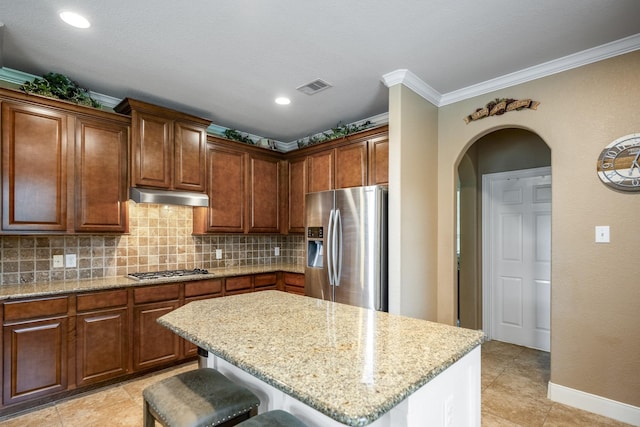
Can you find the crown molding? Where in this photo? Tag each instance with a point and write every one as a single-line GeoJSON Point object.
{"type": "Point", "coordinates": [589, 56]}
{"type": "Point", "coordinates": [413, 82]}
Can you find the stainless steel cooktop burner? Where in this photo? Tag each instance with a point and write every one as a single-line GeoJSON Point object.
{"type": "Point", "coordinates": [166, 273]}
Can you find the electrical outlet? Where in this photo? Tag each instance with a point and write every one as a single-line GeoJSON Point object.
{"type": "Point", "coordinates": [276, 251]}
{"type": "Point", "coordinates": [58, 261]}
{"type": "Point", "coordinates": [448, 412]}
{"type": "Point", "coordinates": [218, 253]}
{"type": "Point", "coordinates": [602, 234]}
{"type": "Point", "coordinates": [70, 260]}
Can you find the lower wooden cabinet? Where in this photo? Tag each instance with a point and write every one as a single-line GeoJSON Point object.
{"type": "Point", "coordinates": [102, 336]}
{"type": "Point", "coordinates": [153, 344]}
{"type": "Point", "coordinates": [35, 351]}
{"type": "Point", "coordinates": [294, 283]}
{"type": "Point", "coordinates": [52, 345]}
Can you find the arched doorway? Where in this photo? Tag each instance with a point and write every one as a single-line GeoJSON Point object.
{"type": "Point", "coordinates": [503, 150]}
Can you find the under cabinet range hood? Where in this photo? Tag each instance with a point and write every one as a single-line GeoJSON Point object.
{"type": "Point", "coordinates": [168, 197]}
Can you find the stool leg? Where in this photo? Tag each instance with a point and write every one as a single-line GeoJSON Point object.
{"type": "Point", "coordinates": [147, 418]}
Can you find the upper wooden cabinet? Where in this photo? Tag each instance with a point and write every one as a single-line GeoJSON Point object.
{"type": "Point", "coordinates": [64, 167]}
{"type": "Point", "coordinates": [321, 168]}
{"type": "Point", "coordinates": [297, 189]}
{"type": "Point", "coordinates": [351, 165]}
{"type": "Point", "coordinates": [168, 147]}
{"type": "Point", "coordinates": [264, 194]}
{"type": "Point", "coordinates": [226, 189]}
{"type": "Point", "coordinates": [379, 160]}
{"type": "Point", "coordinates": [35, 157]}
{"type": "Point", "coordinates": [244, 188]}
{"type": "Point", "coordinates": [101, 175]}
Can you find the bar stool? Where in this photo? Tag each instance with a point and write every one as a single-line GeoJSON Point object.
{"type": "Point", "coordinates": [277, 418]}
{"type": "Point", "coordinates": [198, 398]}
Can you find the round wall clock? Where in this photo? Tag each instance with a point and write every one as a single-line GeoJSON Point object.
{"type": "Point", "coordinates": [619, 163]}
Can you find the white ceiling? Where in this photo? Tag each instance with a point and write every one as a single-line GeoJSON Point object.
{"type": "Point", "coordinates": [227, 60]}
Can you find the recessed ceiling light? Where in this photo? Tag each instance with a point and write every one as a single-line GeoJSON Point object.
{"type": "Point", "coordinates": [283, 101]}
{"type": "Point", "coordinates": [75, 20]}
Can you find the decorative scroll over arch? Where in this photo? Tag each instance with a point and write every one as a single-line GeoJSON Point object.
{"type": "Point", "coordinates": [499, 106]}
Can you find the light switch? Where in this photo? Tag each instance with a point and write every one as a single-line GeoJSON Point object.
{"type": "Point", "coordinates": [218, 253]}
{"type": "Point", "coordinates": [276, 251]}
{"type": "Point", "coordinates": [602, 234]}
{"type": "Point", "coordinates": [70, 260]}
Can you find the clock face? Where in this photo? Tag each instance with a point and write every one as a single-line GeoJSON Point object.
{"type": "Point", "coordinates": [619, 163]}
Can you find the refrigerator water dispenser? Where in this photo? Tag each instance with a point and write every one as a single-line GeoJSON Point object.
{"type": "Point", "coordinates": [314, 247]}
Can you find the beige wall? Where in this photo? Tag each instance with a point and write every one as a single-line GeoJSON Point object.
{"type": "Point", "coordinates": [412, 214]}
{"type": "Point", "coordinates": [595, 300]}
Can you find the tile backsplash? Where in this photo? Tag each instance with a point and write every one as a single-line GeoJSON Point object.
{"type": "Point", "coordinates": [159, 239]}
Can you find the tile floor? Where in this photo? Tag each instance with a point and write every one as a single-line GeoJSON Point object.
{"type": "Point", "coordinates": [513, 395]}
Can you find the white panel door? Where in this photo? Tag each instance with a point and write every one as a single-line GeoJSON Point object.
{"type": "Point", "coordinates": [517, 241]}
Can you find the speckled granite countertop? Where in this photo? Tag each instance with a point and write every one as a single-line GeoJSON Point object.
{"type": "Point", "coordinates": [26, 290]}
{"type": "Point", "coordinates": [349, 363]}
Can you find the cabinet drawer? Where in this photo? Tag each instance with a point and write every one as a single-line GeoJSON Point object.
{"type": "Point", "coordinates": [45, 307]}
{"type": "Point", "coordinates": [294, 279]}
{"type": "Point", "coordinates": [202, 287]}
{"type": "Point", "coordinates": [98, 300]}
{"type": "Point", "coordinates": [238, 283]}
{"type": "Point", "coordinates": [264, 280]}
{"type": "Point", "coordinates": [156, 293]}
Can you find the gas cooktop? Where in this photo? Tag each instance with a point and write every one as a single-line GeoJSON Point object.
{"type": "Point", "coordinates": [166, 273]}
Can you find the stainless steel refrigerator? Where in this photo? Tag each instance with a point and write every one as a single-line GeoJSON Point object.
{"type": "Point", "coordinates": [346, 237]}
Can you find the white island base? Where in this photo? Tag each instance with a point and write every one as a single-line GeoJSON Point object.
{"type": "Point", "coordinates": [451, 399]}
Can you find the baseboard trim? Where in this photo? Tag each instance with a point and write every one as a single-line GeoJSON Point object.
{"type": "Point", "coordinates": [598, 405]}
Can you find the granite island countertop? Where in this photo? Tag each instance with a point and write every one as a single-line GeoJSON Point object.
{"type": "Point", "coordinates": [27, 290]}
{"type": "Point", "coordinates": [350, 363]}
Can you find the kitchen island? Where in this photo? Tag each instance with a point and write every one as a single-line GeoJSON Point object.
{"type": "Point", "coordinates": [332, 364]}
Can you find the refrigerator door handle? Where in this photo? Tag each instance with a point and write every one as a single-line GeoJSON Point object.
{"type": "Point", "coordinates": [329, 245]}
{"type": "Point", "coordinates": [337, 231]}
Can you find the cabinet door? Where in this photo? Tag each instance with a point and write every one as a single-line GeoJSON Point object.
{"type": "Point", "coordinates": [351, 165]}
{"type": "Point", "coordinates": [190, 148]}
{"type": "Point", "coordinates": [34, 168]}
{"type": "Point", "coordinates": [297, 191]}
{"type": "Point", "coordinates": [321, 168]}
{"type": "Point", "coordinates": [264, 192]}
{"type": "Point", "coordinates": [226, 189]}
{"type": "Point", "coordinates": [102, 345]}
{"type": "Point", "coordinates": [152, 150]}
{"type": "Point", "coordinates": [294, 283]}
{"type": "Point", "coordinates": [35, 359]}
{"type": "Point", "coordinates": [101, 175]}
{"type": "Point", "coordinates": [153, 344]}
{"type": "Point", "coordinates": [379, 160]}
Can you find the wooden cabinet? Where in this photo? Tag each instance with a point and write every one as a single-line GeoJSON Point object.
{"type": "Point", "coordinates": [238, 285]}
{"type": "Point", "coordinates": [102, 336]}
{"type": "Point", "coordinates": [168, 147]}
{"type": "Point", "coordinates": [35, 350]}
{"type": "Point", "coordinates": [153, 344]}
{"type": "Point", "coordinates": [244, 188]}
{"type": "Point", "coordinates": [64, 167]}
{"type": "Point", "coordinates": [226, 189]}
{"type": "Point", "coordinates": [265, 281]}
{"type": "Point", "coordinates": [264, 194]}
{"type": "Point", "coordinates": [34, 168]}
{"type": "Point", "coordinates": [379, 160]}
{"type": "Point", "coordinates": [294, 283]}
{"type": "Point", "coordinates": [351, 165]}
{"type": "Point", "coordinates": [101, 175]}
{"type": "Point", "coordinates": [297, 189]}
{"type": "Point", "coordinates": [321, 171]}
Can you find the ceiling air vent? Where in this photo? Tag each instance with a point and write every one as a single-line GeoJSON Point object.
{"type": "Point", "coordinates": [314, 87]}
